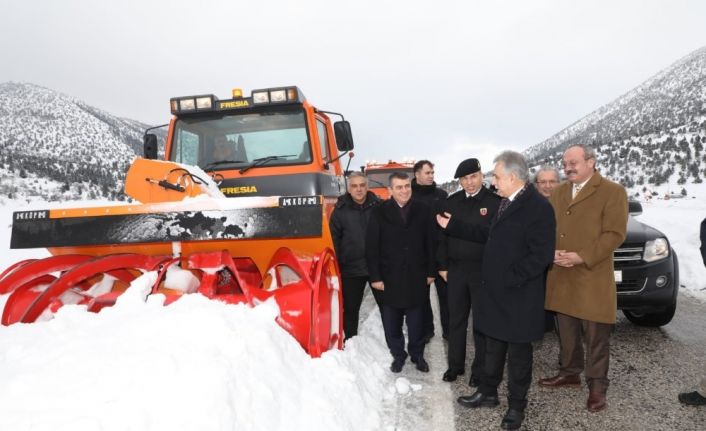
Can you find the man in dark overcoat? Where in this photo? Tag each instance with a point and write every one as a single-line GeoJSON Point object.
{"type": "Point", "coordinates": [460, 263]}
{"type": "Point", "coordinates": [509, 309]}
{"type": "Point", "coordinates": [400, 257]}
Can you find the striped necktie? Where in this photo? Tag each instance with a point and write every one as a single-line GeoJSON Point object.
{"type": "Point", "coordinates": [504, 203]}
{"type": "Point", "coordinates": [576, 189]}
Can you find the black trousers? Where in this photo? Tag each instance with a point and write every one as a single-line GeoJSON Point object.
{"type": "Point", "coordinates": [443, 309]}
{"type": "Point", "coordinates": [461, 281]}
{"type": "Point", "coordinates": [519, 370]}
{"type": "Point", "coordinates": [392, 319]}
{"type": "Point", "coordinates": [353, 291]}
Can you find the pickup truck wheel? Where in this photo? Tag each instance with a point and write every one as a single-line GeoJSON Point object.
{"type": "Point", "coordinates": [660, 318]}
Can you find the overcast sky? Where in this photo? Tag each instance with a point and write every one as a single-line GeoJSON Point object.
{"type": "Point", "coordinates": [438, 80]}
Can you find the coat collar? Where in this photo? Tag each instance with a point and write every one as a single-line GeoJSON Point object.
{"type": "Point", "coordinates": [588, 189]}
{"type": "Point", "coordinates": [461, 194]}
{"type": "Point", "coordinates": [371, 199]}
{"type": "Point", "coordinates": [392, 211]}
{"type": "Point", "coordinates": [518, 202]}
{"type": "Point", "coordinates": [425, 190]}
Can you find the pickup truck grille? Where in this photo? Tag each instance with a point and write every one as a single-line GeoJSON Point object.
{"type": "Point", "coordinates": [630, 285]}
{"type": "Point", "coordinates": [628, 253]}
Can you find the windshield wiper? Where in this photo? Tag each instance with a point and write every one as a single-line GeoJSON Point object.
{"type": "Point", "coordinates": [264, 160]}
{"type": "Point", "coordinates": [221, 162]}
{"type": "Point", "coordinates": [377, 182]}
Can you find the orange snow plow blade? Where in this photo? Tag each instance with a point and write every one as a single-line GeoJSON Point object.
{"type": "Point", "coordinates": [223, 242]}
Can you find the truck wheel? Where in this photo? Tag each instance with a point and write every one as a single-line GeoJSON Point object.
{"type": "Point", "coordinates": [660, 318]}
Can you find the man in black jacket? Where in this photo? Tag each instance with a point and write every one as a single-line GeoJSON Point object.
{"type": "Point", "coordinates": [703, 240]}
{"type": "Point", "coordinates": [697, 397]}
{"type": "Point", "coordinates": [460, 264]}
{"type": "Point", "coordinates": [509, 309]}
{"type": "Point", "coordinates": [400, 256]}
{"type": "Point", "coordinates": [424, 190]}
{"type": "Point", "coordinates": [349, 222]}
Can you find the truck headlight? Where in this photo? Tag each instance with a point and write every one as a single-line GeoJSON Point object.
{"type": "Point", "coordinates": [260, 97]}
{"type": "Point", "coordinates": [204, 102]}
{"type": "Point", "coordinates": [656, 249]}
{"type": "Point", "coordinates": [187, 104]}
{"type": "Point", "coordinates": [278, 96]}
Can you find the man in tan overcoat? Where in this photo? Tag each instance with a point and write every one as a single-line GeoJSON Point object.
{"type": "Point", "coordinates": [591, 219]}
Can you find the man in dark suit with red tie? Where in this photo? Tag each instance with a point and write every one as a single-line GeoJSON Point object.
{"type": "Point", "coordinates": [400, 256]}
{"type": "Point", "coordinates": [509, 308]}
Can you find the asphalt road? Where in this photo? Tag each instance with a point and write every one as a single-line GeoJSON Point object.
{"type": "Point", "coordinates": [649, 367]}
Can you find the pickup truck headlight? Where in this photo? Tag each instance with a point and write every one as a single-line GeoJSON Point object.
{"type": "Point", "coordinates": [655, 250]}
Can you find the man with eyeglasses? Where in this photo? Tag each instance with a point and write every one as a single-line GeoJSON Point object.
{"type": "Point", "coordinates": [546, 180]}
{"type": "Point", "coordinates": [591, 221]}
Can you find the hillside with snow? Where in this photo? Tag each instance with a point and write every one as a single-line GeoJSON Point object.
{"type": "Point", "coordinates": [56, 147]}
{"type": "Point", "coordinates": [651, 137]}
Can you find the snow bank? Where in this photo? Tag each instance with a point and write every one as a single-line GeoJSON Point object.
{"type": "Point", "coordinates": [196, 364]}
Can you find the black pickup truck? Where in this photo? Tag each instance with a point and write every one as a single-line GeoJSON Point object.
{"type": "Point", "coordinates": [646, 274]}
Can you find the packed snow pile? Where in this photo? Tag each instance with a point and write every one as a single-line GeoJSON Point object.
{"type": "Point", "coordinates": [195, 364]}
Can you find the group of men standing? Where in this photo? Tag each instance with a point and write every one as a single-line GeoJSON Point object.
{"type": "Point", "coordinates": [503, 258]}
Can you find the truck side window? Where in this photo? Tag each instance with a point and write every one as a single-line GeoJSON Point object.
{"type": "Point", "coordinates": [187, 148]}
{"type": "Point", "coordinates": [323, 139]}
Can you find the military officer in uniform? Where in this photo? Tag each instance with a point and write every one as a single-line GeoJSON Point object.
{"type": "Point", "coordinates": [460, 264]}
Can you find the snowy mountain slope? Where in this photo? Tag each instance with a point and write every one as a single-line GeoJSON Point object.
{"type": "Point", "coordinates": [654, 134]}
{"type": "Point", "coordinates": [54, 136]}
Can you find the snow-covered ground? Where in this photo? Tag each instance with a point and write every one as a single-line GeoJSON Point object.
{"type": "Point", "coordinates": [199, 364]}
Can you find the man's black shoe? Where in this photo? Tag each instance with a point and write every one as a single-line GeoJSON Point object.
{"type": "Point", "coordinates": [474, 382]}
{"type": "Point", "coordinates": [692, 399]}
{"type": "Point", "coordinates": [397, 364]}
{"type": "Point", "coordinates": [478, 400]}
{"type": "Point", "coordinates": [421, 364]}
{"type": "Point", "coordinates": [512, 419]}
{"type": "Point", "coordinates": [450, 375]}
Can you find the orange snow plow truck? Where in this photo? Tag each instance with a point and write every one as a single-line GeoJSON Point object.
{"type": "Point", "coordinates": [237, 210]}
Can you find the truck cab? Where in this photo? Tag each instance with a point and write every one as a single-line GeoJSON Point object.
{"type": "Point", "coordinates": [271, 143]}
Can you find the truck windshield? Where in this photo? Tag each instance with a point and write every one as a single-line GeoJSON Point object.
{"type": "Point", "coordinates": [237, 140]}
